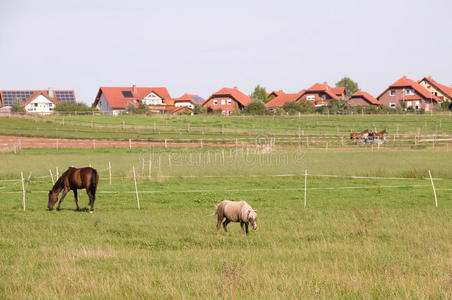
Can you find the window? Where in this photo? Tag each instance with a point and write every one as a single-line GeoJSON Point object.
{"type": "Point", "coordinates": [229, 101]}
{"type": "Point", "coordinates": [392, 104]}
{"type": "Point", "coordinates": [215, 102]}
{"type": "Point", "coordinates": [223, 102]}
{"type": "Point", "coordinates": [409, 104]}
{"type": "Point", "coordinates": [310, 97]}
{"type": "Point", "coordinates": [409, 92]}
{"type": "Point", "coordinates": [127, 94]}
{"type": "Point", "coordinates": [323, 97]}
{"type": "Point", "coordinates": [392, 93]}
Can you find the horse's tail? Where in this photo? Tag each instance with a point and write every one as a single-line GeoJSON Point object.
{"type": "Point", "coordinates": [215, 212]}
{"type": "Point", "coordinates": [94, 181]}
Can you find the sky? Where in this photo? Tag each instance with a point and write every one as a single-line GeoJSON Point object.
{"type": "Point", "coordinates": [200, 47]}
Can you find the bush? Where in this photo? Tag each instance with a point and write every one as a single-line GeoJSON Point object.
{"type": "Point", "coordinates": [291, 107]}
{"type": "Point", "coordinates": [256, 108]}
{"type": "Point", "coordinates": [17, 106]}
{"type": "Point", "coordinates": [67, 108]}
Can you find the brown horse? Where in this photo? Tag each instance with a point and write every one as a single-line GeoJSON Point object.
{"type": "Point", "coordinates": [359, 135]}
{"type": "Point", "coordinates": [73, 179]}
{"type": "Point", "coordinates": [380, 135]}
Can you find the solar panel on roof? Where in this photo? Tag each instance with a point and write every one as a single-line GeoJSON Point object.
{"type": "Point", "coordinates": [127, 94]}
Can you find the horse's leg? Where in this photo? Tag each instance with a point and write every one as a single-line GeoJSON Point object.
{"type": "Point", "coordinates": [91, 200]}
{"type": "Point", "coordinates": [246, 227]}
{"type": "Point", "coordinates": [65, 191]}
{"type": "Point", "coordinates": [241, 226]}
{"type": "Point", "coordinates": [76, 199]}
{"type": "Point", "coordinates": [225, 223]}
{"type": "Point", "coordinates": [220, 218]}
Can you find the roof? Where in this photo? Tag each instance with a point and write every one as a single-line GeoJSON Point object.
{"type": "Point", "coordinates": [406, 82]}
{"type": "Point", "coordinates": [194, 99]}
{"type": "Point", "coordinates": [282, 99]}
{"type": "Point", "coordinates": [59, 96]}
{"type": "Point", "coordinates": [368, 97]}
{"type": "Point", "coordinates": [335, 93]}
{"type": "Point", "coordinates": [443, 88]}
{"type": "Point", "coordinates": [233, 93]}
{"type": "Point", "coordinates": [117, 99]}
{"type": "Point", "coordinates": [36, 96]}
{"type": "Point", "coordinates": [276, 93]}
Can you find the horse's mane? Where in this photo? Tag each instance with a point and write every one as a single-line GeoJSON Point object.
{"type": "Point", "coordinates": [59, 183]}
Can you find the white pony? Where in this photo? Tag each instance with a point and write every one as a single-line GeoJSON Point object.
{"type": "Point", "coordinates": [235, 212]}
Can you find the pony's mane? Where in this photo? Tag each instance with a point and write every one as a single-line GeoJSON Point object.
{"type": "Point", "coordinates": [59, 183]}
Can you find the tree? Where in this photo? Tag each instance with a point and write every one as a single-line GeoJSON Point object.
{"type": "Point", "coordinates": [256, 108]}
{"type": "Point", "coordinates": [17, 106]}
{"type": "Point", "coordinates": [131, 108]}
{"type": "Point", "coordinates": [340, 107]}
{"type": "Point", "coordinates": [142, 108]}
{"type": "Point", "coordinates": [259, 94]}
{"type": "Point", "coordinates": [349, 85]}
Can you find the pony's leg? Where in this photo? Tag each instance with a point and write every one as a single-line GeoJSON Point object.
{"type": "Point", "coordinates": [76, 199]}
{"type": "Point", "coordinates": [220, 219]}
{"type": "Point", "coordinates": [225, 223]}
{"type": "Point", "coordinates": [246, 228]}
{"type": "Point", "coordinates": [65, 191]}
{"type": "Point", "coordinates": [91, 200]}
{"type": "Point", "coordinates": [241, 226]}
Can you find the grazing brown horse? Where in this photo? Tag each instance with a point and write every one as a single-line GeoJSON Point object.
{"type": "Point", "coordinates": [73, 179]}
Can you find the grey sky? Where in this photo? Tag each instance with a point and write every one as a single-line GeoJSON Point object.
{"type": "Point", "coordinates": [202, 46]}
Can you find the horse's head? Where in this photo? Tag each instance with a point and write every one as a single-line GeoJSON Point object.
{"type": "Point", "coordinates": [252, 217]}
{"type": "Point", "coordinates": [53, 198]}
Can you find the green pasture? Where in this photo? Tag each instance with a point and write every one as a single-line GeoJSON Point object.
{"type": "Point", "coordinates": [356, 238]}
{"type": "Point", "coordinates": [215, 128]}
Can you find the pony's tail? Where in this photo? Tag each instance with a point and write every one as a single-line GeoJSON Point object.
{"type": "Point", "coordinates": [214, 212]}
{"type": "Point", "coordinates": [94, 178]}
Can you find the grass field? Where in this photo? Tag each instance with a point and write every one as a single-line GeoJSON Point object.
{"type": "Point", "coordinates": [357, 238]}
{"type": "Point", "coordinates": [194, 128]}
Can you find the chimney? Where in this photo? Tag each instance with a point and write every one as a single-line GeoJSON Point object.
{"type": "Point", "coordinates": [235, 88]}
{"type": "Point", "coordinates": [51, 92]}
{"type": "Point", "coordinates": [134, 90]}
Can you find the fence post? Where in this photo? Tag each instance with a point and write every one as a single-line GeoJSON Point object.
{"type": "Point", "coordinates": [136, 187]}
{"type": "Point", "coordinates": [57, 173]}
{"type": "Point", "coordinates": [305, 185]}
{"type": "Point", "coordinates": [109, 170]}
{"type": "Point", "coordinates": [433, 186]}
{"type": "Point", "coordinates": [23, 189]}
{"type": "Point", "coordinates": [130, 144]}
{"type": "Point", "coordinates": [51, 176]}
{"type": "Point", "coordinates": [150, 166]}
{"type": "Point", "coordinates": [166, 145]}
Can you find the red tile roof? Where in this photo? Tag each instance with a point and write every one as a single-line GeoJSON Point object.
{"type": "Point", "coordinates": [193, 99]}
{"type": "Point", "coordinates": [406, 82]}
{"type": "Point", "coordinates": [335, 93]}
{"type": "Point", "coordinates": [443, 88]}
{"type": "Point", "coordinates": [276, 93]}
{"type": "Point", "coordinates": [234, 93]}
{"type": "Point", "coordinates": [282, 99]}
{"type": "Point", "coordinates": [116, 99]}
{"type": "Point", "coordinates": [34, 96]}
{"type": "Point", "coordinates": [368, 97]}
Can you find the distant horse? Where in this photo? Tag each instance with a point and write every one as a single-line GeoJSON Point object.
{"type": "Point", "coordinates": [235, 211]}
{"type": "Point", "coordinates": [73, 179]}
{"type": "Point", "coordinates": [359, 135]}
{"type": "Point", "coordinates": [381, 135]}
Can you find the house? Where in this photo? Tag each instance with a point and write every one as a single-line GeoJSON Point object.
{"type": "Point", "coordinates": [115, 99]}
{"type": "Point", "coordinates": [361, 98]}
{"type": "Point", "coordinates": [322, 94]}
{"type": "Point", "coordinates": [274, 94]}
{"type": "Point", "coordinates": [37, 101]}
{"type": "Point", "coordinates": [227, 100]}
{"type": "Point", "coordinates": [443, 92]}
{"type": "Point", "coordinates": [181, 110]}
{"type": "Point", "coordinates": [408, 91]}
{"type": "Point", "coordinates": [188, 100]}
{"type": "Point", "coordinates": [282, 99]}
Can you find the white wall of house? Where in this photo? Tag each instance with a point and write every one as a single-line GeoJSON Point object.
{"type": "Point", "coordinates": [41, 105]}
{"type": "Point", "coordinates": [152, 99]}
{"type": "Point", "coordinates": [184, 103]}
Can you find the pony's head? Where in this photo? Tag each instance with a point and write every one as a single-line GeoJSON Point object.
{"type": "Point", "coordinates": [252, 217]}
{"type": "Point", "coordinates": [53, 198]}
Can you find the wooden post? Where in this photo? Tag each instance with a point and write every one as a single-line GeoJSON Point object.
{"type": "Point", "coordinates": [169, 160]}
{"type": "Point", "coordinates": [23, 189]}
{"type": "Point", "coordinates": [109, 170]}
{"type": "Point", "coordinates": [57, 173]}
{"type": "Point", "coordinates": [166, 144]}
{"type": "Point", "coordinates": [433, 186]}
{"type": "Point", "coordinates": [94, 144]}
{"type": "Point", "coordinates": [150, 167]}
{"type": "Point", "coordinates": [136, 187]}
{"type": "Point", "coordinates": [51, 176]}
{"type": "Point", "coordinates": [326, 147]}
{"type": "Point", "coordinates": [57, 146]}
{"type": "Point", "coordinates": [201, 143]}
{"type": "Point", "coordinates": [305, 185]}
{"type": "Point", "coordinates": [130, 144]}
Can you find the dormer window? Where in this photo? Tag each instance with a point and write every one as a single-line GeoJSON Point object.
{"type": "Point", "coordinates": [409, 92]}
{"type": "Point", "coordinates": [392, 93]}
